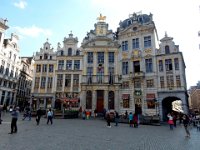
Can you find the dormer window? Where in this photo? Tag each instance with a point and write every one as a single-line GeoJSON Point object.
{"type": "Point", "coordinates": [46, 48]}
{"type": "Point", "coordinates": [40, 57]}
{"type": "Point", "coordinates": [69, 51]}
{"type": "Point", "coordinates": [78, 52]}
{"type": "Point", "coordinates": [167, 51]}
{"type": "Point", "coordinates": [45, 56]}
{"type": "Point", "coordinates": [129, 22]}
{"type": "Point", "coordinates": [61, 53]}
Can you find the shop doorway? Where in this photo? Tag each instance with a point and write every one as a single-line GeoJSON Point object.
{"type": "Point", "coordinates": [100, 101]}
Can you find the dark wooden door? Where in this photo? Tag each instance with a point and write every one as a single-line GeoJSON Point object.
{"type": "Point", "coordinates": [100, 101]}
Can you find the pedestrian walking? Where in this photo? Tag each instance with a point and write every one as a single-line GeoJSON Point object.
{"type": "Point", "coordinates": [126, 115]}
{"type": "Point", "coordinates": [50, 116]}
{"type": "Point", "coordinates": [108, 119]}
{"type": "Point", "coordinates": [38, 116]}
{"type": "Point", "coordinates": [170, 121]}
{"type": "Point", "coordinates": [135, 120]}
{"type": "Point", "coordinates": [130, 119]}
{"type": "Point", "coordinates": [15, 115]}
{"type": "Point", "coordinates": [116, 118]}
{"type": "Point", "coordinates": [83, 114]}
{"type": "Point", "coordinates": [185, 123]}
{"type": "Point", "coordinates": [174, 120]}
{"type": "Point", "coordinates": [27, 113]}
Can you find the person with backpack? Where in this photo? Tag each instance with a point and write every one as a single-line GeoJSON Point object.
{"type": "Point", "coordinates": [50, 116]}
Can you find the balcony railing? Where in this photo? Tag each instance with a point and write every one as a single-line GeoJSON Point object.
{"type": "Point", "coordinates": [100, 79]}
{"type": "Point", "coordinates": [134, 75]}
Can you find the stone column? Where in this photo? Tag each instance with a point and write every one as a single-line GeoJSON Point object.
{"type": "Point", "coordinates": [106, 99]}
{"type": "Point", "coordinates": [117, 100]}
{"type": "Point", "coordinates": [95, 63]}
{"type": "Point", "coordinates": [83, 100]}
{"type": "Point", "coordinates": [45, 102]}
{"type": "Point", "coordinates": [94, 100]}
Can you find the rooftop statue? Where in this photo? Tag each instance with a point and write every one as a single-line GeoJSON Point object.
{"type": "Point", "coordinates": [101, 18]}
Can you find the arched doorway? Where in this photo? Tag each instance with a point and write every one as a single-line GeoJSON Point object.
{"type": "Point", "coordinates": [167, 106]}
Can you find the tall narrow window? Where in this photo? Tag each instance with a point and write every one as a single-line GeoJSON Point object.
{"type": "Point", "coordinates": [111, 57]}
{"type": "Point", "coordinates": [176, 63]}
{"type": "Point", "coordinates": [69, 51]}
{"type": "Point", "coordinates": [167, 51]}
{"type": "Point", "coordinates": [136, 66]}
{"type": "Point", "coordinates": [90, 57]}
{"type": "Point", "coordinates": [162, 82]}
{"type": "Point", "coordinates": [69, 65]}
{"type": "Point", "coordinates": [178, 81]}
{"type": "Point", "coordinates": [60, 64]}
{"type": "Point", "coordinates": [135, 43]}
{"type": "Point", "coordinates": [168, 64]}
{"type": "Point", "coordinates": [75, 82]}
{"type": "Point", "coordinates": [147, 41]}
{"type": "Point", "coordinates": [50, 67]}
{"type": "Point", "coordinates": [67, 80]}
{"type": "Point", "coordinates": [45, 56]}
{"type": "Point", "coordinates": [89, 74]}
{"type": "Point", "coordinates": [43, 81]}
{"type": "Point", "coordinates": [124, 68]}
{"type": "Point", "coordinates": [160, 66]}
{"type": "Point", "coordinates": [124, 45]}
{"type": "Point", "coordinates": [170, 81]}
{"type": "Point", "coordinates": [59, 80]}
{"type": "Point", "coordinates": [149, 65]}
{"type": "Point", "coordinates": [44, 68]}
{"type": "Point", "coordinates": [76, 64]}
{"type": "Point", "coordinates": [38, 68]}
{"type": "Point", "coordinates": [50, 80]}
{"type": "Point", "coordinates": [150, 83]}
{"type": "Point", "coordinates": [37, 81]}
{"type": "Point", "coordinates": [100, 57]}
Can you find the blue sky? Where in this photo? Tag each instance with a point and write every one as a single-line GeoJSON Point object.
{"type": "Point", "coordinates": [35, 21]}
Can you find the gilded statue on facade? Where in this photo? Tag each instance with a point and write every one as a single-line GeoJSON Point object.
{"type": "Point", "coordinates": [101, 18]}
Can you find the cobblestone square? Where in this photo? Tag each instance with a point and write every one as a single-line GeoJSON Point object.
{"type": "Point", "coordinates": [77, 134]}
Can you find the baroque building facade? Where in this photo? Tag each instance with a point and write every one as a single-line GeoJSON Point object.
{"type": "Point", "coordinates": [122, 70]}
{"type": "Point", "coordinates": [151, 78]}
{"type": "Point", "coordinates": [100, 84]}
{"type": "Point", "coordinates": [23, 96]}
{"type": "Point", "coordinates": [9, 66]}
{"type": "Point", "coordinates": [57, 75]}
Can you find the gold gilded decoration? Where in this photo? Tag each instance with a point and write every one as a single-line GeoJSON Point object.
{"type": "Point", "coordinates": [148, 56]}
{"type": "Point", "coordinates": [124, 55]}
{"type": "Point", "coordinates": [147, 50]}
{"type": "Point", "coordinates": [101, 18]}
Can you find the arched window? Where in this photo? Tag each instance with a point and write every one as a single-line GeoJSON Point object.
{"type": "Point", "coordinates": [45, 56]}
{"type": "Point", "coordinates": [167, 51]}
{"type": "Point", "coordinates": [69, 51]}
{"type": "Point", "coordinates": [61, 53]}
{"type": "Point", "coordinates": [78, 52]}
{"type": "Point", "coordinates": [111, 100]}
{"type": "Point", "coordinates": [89, 100]}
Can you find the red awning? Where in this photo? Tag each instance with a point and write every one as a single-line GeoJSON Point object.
{"type": "Point", "coordinates": [125, 96]}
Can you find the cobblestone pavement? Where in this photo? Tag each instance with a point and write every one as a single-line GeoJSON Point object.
{"type": "Point", "coordinates": [77, 134]}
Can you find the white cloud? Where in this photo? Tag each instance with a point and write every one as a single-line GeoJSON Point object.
{"type": "Point", "coordinates": [21, 4]}
{"type": "Point", "coordinates": [33, 31]}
